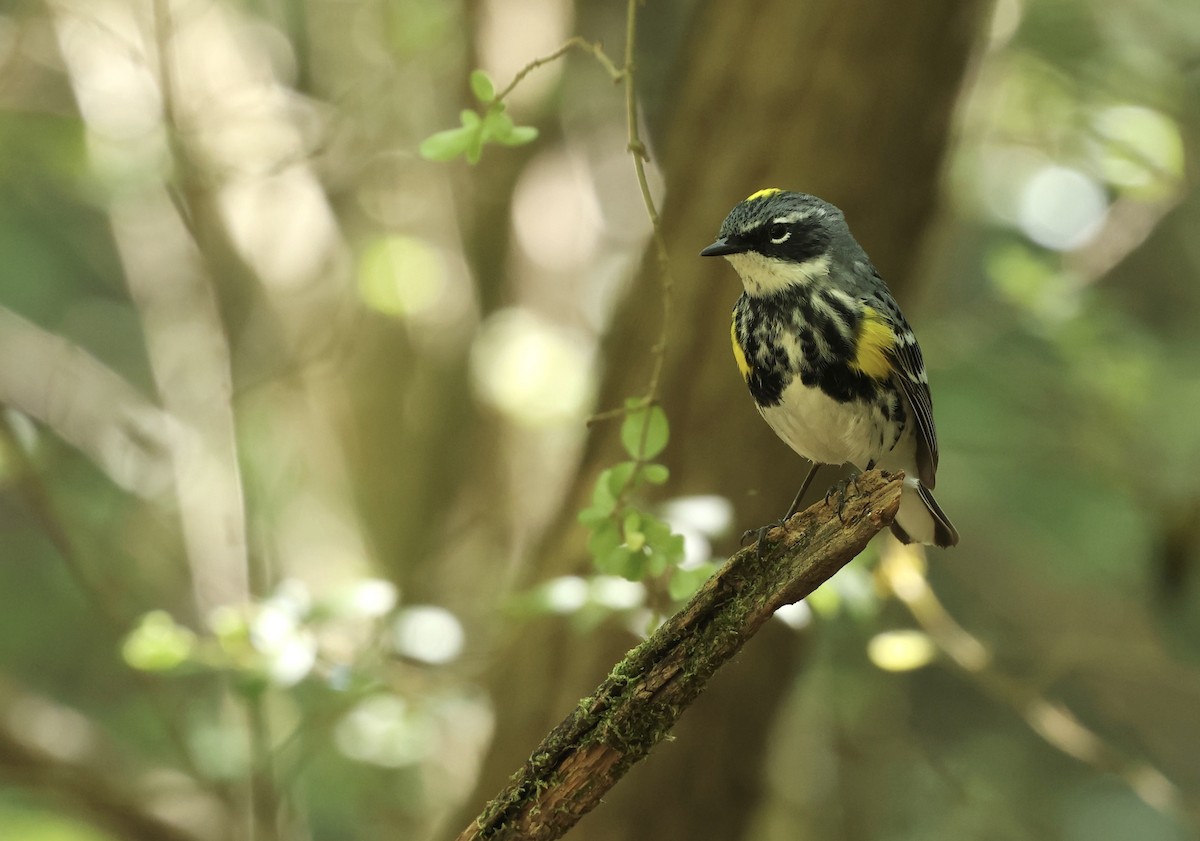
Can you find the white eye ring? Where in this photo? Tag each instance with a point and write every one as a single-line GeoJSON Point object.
{"type": "Point", "coordinates": [782, 239]}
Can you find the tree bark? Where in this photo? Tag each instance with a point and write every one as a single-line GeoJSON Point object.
{"type": "Point", "coordinates": [643, 696]}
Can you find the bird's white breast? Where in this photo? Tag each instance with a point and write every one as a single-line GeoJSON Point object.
{"type": "Point", "coordinates": [823, 430]}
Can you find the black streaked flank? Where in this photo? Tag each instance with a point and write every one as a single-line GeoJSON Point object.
{"type": "Point", "coordinates": [840, 309]}
{"type": "Point", "coordinates": [771, 369]}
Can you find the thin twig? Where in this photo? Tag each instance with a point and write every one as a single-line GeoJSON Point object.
{"type": "Point", "coordinates": [666, 282]}
{"type": "Point", "coordinates": [594, 48]}
{"type": "Point", "coordinates": [638, 149]}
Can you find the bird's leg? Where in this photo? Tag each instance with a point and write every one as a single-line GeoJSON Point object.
{"type": "Point", "coordinates": [761, 532]}
{"type": "Point", "coordinates": [812, 474]}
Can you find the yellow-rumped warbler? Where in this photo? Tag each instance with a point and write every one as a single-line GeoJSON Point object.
{"type": "Point", "coordinates": [830, 361]}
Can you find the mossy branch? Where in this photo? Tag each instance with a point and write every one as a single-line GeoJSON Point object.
{"type": "Point", "coordinates": [641, 699]}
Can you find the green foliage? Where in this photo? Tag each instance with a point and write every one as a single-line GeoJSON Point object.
{"type": "Point", "coordinates": [626, 540]}
{"type": "Point", "coordinates": [277, 641]}
{"type": "Point", "coordinates": [158, 644]}
{"type": "Point", "coordinates": [482, 87]}
{"type": "Point", "coordinates": [644, 432]}
{"type": "Point", "coordinates": [475, 131]}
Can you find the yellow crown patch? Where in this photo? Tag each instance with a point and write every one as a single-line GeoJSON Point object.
{"type": "Point", "coordinates": [762, 194]}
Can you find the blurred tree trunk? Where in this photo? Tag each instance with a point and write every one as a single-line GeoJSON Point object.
{"type": "Point", "coordinates": [853, 102]}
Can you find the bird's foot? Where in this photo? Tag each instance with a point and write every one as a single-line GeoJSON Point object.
{"type": "Point", "coordinates": [839, 490]}
{"type": "Point", "coordinates": [759, 535]}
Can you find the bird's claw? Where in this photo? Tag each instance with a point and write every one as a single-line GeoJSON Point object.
{"type": "Point", "coordinates": [840, 489]}
{"type": "Point", "coordinates": [759, 534]}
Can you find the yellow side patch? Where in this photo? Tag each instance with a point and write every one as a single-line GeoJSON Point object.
{"type": "Point", "coordinates": [875, 343]}
{"type": "Point", "coordinates": [739, 356]}
{"type": "Point", "coordinates": [762, 194]}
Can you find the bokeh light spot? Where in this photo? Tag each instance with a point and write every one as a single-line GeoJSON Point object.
{"type": "Point", "coordinates": [401, 276]}
{"type": "Point", "coordinates": [428, 633]}
{"type": "Point", "coordinates": [532, 371]}
{"type": "Point", "coordinates": [556, 216]}
{"type": "Point", "coordinates": [1141, 150]}
{"type": "Point", "coordinates": [565, 594]}
{"type": "Point", "coordinates": [709, 514]}
{"type": "Point", "coordinates": [1061, 208]}
{"type": "Point", "coordinates": [617, 593]}
{"type": "Point", "coordinates": [795, 616]}
{"type": "Point", "coordinates": [385, 730]}
{"type": "Point", "coordinates": [901, 651]}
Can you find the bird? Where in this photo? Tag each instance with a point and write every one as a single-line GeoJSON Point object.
{"type": "Point", "coordinates": [829, 359]}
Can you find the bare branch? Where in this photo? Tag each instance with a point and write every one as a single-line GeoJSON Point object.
{"type": "Point", "coordinates": [644, 695]}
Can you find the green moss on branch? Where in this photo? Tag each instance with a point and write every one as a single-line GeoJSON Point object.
{"type": "Point", "coordinates": [643, 696]}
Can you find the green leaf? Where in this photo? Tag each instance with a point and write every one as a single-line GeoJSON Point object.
{"type": "Point", "coordinates": [615, 561]}
{"type": "Point", "coordinates": [658, 434]}
{"type": "Point", "coordinates": [656, 474]}
{"type": "Point", "coordinates": [654, 421]}
{"type": "Point", "coordinates": [631, 522]}
{"type": "Point", "coordinates": [594, 515]}
{"type": "Point", "coordinates": [605, 537]}
{"type": "Point", "coordinates": [673, 549]}
{"type": "Point", "coordinates": [519, 136]}
{"type": "Point", "coordinates": [470, 119]}
{"type": "Point", "coordinates": [602, 493]}
{"type": "Point", "coordinates": [631, 529]}
{"type": "Point", "coordinates": [496, 125]}
{"type": "Point", "coordinates": [158, 644]}
{"type": "Point", "coordinates": [482, 87]}
{"type": "Point", "coordinates": [446, 145]}
{"type": "Point", "coordinates": [631, 431]}
{"type": "Point", "coordinates": [634, 567]}
{"type": "Point", "coordinates": [662, 542]}
{"type": "Point", "coordinates": [656, 564]}
{"type": "Point", "coordinates": [475, 147]}
{"type": "Point", "coordinates": [657, 530]}
{"type": "Point", "coordinates": [617, 477]}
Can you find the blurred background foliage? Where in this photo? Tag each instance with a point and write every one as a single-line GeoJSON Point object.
{"type": "Point", "coordinates": [295, 436]}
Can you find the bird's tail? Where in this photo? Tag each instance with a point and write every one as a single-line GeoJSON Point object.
{"type": "Point", "coordinates": [920, 519]}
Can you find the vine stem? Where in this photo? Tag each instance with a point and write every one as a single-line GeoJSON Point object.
{"type": "Point", "coordinates": [638, 149]}
{"type": "Point", "coordinates": [624, 73]}
{"type": "Point", "coordinates": [594, 48]}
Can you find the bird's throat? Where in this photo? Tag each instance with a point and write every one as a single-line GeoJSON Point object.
{"type": "Point", "coordinates": [762, 276]}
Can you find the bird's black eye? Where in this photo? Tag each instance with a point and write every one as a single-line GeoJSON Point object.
{"type": "Point", "coordinates": [778, 233]}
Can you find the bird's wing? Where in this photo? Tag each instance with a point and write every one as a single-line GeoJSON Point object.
{"type": "Point", "coordinates": [909, 367]}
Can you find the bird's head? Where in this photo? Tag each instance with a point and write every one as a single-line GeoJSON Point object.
{"type": "Point", "coordinates": [776, 239]}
